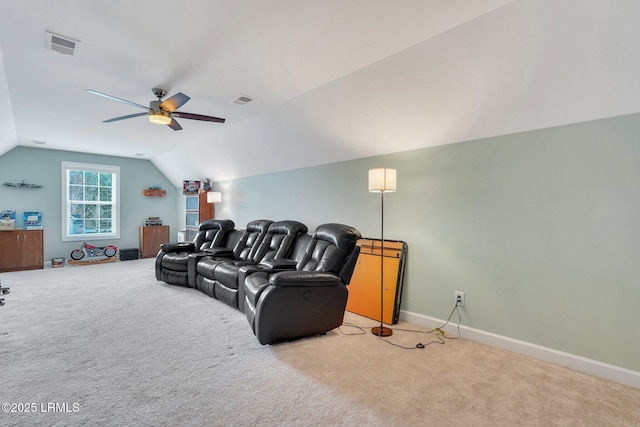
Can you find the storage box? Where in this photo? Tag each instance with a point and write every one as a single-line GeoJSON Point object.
{"type": "Point", "coordinates": [8, 214]}
{"type": "Point", "coordinates": [32, 220]}
{"type": "Point", "coordinates": [7, 224]}
{"type": "Point", "coordinates": [7, 220]}
{"type": "Point", "coordinates": [57, 262]}
{"type": "Point", "coordinates": [129, 254]}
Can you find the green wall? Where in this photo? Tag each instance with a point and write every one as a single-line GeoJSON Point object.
{"type": "Point", "coordinates": [539, 229]}
{"type": "Point", "coordinates": [43, 167]}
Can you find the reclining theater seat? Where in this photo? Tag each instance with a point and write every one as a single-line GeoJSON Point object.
{"type": "Point", "coordinates": [276, 244]}
{"type": "Point", "coordinates": [244, 250]}
{"type": "Point", "coordinates": [172, 260]}
{"type": "Point", "coordinates": [231, 240]}
{"type": "Point", "coordinates": [309, 300]}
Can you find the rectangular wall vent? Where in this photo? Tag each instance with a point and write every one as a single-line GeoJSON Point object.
{"type": "Point", "coordinates": [61, 44]}
{"type": "Point", "coordinates": [241, 100]}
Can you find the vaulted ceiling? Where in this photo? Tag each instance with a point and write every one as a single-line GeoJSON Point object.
{"type": "Point", "coordinates": [331, 80]}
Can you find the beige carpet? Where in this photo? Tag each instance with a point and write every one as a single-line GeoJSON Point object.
{"type": "Point", "coordinates": [107, 345]}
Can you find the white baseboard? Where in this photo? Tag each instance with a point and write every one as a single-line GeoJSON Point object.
{"type": "Point", "coordinates": [582, 364]}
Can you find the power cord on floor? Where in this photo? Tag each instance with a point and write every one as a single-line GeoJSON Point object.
{"type": "Point", "coordinates": [361, 329]}
{"type": "Point", "coordinates": [439, 331]}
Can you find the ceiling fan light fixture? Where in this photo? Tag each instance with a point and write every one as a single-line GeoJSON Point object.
{"type": "Point", "coordinates": [160, 117]}
{"type": "Point", "coordinates": [160, 112]}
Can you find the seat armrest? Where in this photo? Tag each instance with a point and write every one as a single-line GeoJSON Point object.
{"type": "Point", "coordinates": [304, 278]}
{"type": "Point", "coordinates": [178, 247]}
{"type": "Point", "coordinates": [218, 252]}
{"type": "Point", "coordinates": [265, 268]}
{"type": "Point", "coordinates": [279, 264]}
{"type": "Point", "coordinates": [192, 262]}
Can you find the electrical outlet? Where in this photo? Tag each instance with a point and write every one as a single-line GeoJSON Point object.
{"type": "Point", "coordinates": [459, 295]}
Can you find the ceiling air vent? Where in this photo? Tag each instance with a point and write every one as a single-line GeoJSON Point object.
{"type": "Point", "coordinates": [241, 100]}
{"type": "Point", "coordinates": [60, 44]}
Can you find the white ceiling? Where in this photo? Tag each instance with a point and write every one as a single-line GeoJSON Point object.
{"type": "Point", "coordinates": [332, 79]}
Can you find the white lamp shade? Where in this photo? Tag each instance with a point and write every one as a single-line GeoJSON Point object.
{"type": "Point", "coordinates": [382, 180]}
{"type": "Point", "coordinates": [214, 197]}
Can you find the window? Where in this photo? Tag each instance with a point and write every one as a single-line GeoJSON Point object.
{"type": "Point", "coordinates": [90, 196]}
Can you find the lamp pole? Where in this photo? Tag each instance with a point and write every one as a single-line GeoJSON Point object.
{"type": "Point", "coordinates": [387, 183]}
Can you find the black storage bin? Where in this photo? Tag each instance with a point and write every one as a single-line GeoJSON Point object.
{"type": "Point", "coordinates": [129, 254]}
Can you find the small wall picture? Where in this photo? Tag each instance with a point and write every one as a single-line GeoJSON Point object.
{"type": "Point", "coordinates": [190, 187]}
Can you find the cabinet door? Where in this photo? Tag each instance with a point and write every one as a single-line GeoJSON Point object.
{"type": "Point", "coordinates": [163, 236]}
{"type": "Point", "coordinates": [151, 237]}
{"type": "Point", "coordinates": [32, 249]}
{"type": "Point", "coordinates": [10, 250]}
{"type": "Point", "coordinates": [198, 210]}
{"type": "Point", "coordinates": [146, 241]}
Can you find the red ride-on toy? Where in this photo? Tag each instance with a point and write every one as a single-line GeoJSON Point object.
{"type": "Point", "coordinates": [92, 251]}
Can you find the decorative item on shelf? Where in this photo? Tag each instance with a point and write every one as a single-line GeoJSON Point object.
{"type": "Point", "coordinates": [206, 185]}
{"type": "Point", "coordinates": [7, 224]}
{"type": "Point", "coordinates": [153, 220]}
{"type": "Point", "coordinates": [214, 197]}
{"type": "Point", "coordinates": [22, 185]}
{"type": "Point", "coordinates": [7, 220]}
{"type": "Point", "coordinates": [382, 180]}
{"type": "Point", "coordinates": [8, 214]}
{"type": "Point", "coordinates": [154, 192]}
{"type": "Point", "coordinates": [32, 220]}
{"type": "Point", "coordinates": [190, 187]}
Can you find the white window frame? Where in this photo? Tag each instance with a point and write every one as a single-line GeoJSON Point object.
{"type": "Point", "coordinates": [66, 216]}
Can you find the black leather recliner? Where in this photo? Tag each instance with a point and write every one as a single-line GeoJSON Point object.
{"type": "Point", "coordinates": [288, 283]}
{"type": "Point", "coordinates": [276, 244]}
{"type": "Point", "coordinates": [224, 252]}
{"type": "Point", "coordinates": [172, 259]}
{"type": "Point", "coordinates": [310, 300]}
{"type": "Point", "coordinates": [244, 250]}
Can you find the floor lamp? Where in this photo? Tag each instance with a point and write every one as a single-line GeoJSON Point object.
{"type": "Point", "coordinates": [382, 180]}
{"type": "Point", "coordinates": [213, 197]}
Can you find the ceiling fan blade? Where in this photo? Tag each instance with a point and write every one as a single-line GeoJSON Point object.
{"type": "Point", "coordinates": [174, 125]}
{"type": "Point", "coordinates": [175, 102]}
{"type": "Point", "coordinates": [95, 92]}
{"type": "Point", "coordinates": [130, 116]}
{"type": "Point", "coordinates": [198, 117]}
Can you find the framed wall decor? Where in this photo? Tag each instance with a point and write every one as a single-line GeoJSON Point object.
{"type": "Point", "coordinates": [190, 187]}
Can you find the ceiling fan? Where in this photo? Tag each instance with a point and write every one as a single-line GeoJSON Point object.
{"type": "Point", "coordinates": [160, 112]}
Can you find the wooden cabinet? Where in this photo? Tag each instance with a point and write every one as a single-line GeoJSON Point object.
{"type": "Point", "coordinates": [198, 210]}
{"type": "Point", "coordinates": [21, 250]}
{"type": "Point", "coordinates": [151, 237]}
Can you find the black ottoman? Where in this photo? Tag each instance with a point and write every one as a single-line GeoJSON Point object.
{"type": "Point", "coordinates": [129, 254]}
